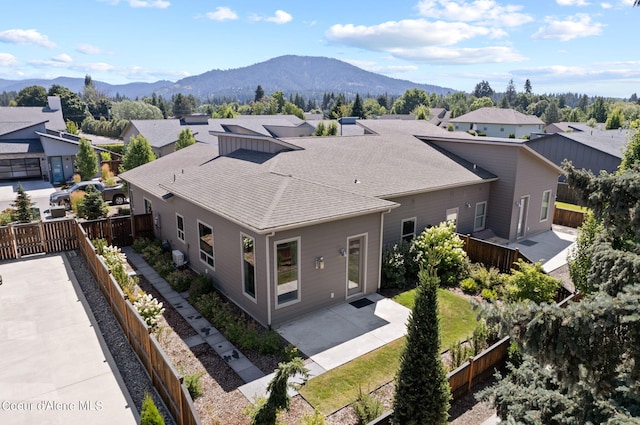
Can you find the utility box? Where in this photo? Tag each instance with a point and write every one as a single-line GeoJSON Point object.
{"type": "Point", "coordinates": [178, 257]}
{"type": "Point", "coordinates": [58, 212]}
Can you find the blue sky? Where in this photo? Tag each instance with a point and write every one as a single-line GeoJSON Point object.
{"type": "Point", "coordinates": [578, 46]}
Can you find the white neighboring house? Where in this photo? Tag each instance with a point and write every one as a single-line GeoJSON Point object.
{"type": "Point", "coordinates": [497, 122]}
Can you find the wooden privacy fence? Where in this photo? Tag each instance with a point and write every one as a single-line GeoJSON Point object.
{"type": "Point", "coordinates": [568, 218]}
{"type": "Point", "coordinates": [491, 254]}
{"type": "Point", "coordinates": [167, 381]}
{"type": "Point", "coordinates": [18, 240]}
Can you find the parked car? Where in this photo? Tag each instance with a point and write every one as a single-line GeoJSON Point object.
{"type": "Point", "coordinates": [117, 194]}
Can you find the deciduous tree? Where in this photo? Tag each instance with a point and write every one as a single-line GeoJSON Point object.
{"type": "Point", "coordinates": [86, 160]}
{"type": "Point", "coordinates": [32, 96]}
{"type": "Point", "coordinates": [185, 139]}
{"type": "Point", "coordinates": [137, 152]}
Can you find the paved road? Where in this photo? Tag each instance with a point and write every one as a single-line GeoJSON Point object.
{"type": "Point", "coordinates": [54, 365]}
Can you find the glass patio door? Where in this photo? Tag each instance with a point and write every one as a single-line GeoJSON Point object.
{"type": "Point", "coordinates": [355, 265]}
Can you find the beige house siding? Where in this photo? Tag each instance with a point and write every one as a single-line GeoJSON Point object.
{"type": "Point", "coordinates": [430, 209]}
{"type": "Point", "coordinates": [327, 240]}
{"type": "Point", "coordinates": [316, 286]}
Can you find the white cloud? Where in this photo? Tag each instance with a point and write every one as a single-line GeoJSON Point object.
{"type": "Point", "coordinates": [460, 56]}
{"type": "Point", "coordinates": [159, 4]}
{"type": "Point", "coordinates": [572, 2]}
{"type": "Point", "coordinates": [606, 5]}
{"type": "Point", "coordinates": [279, 17]}
{"type": "Point", "coordinates": [62, 58]}
{"type": "Point", "coordinates": [31, 36]}
{"type": "Point", "coordinates": [480, 11]}
{"type": "Point", "coordinates": [222, 13]}
{"type": "Point", "coordinates": [407, 34]}
{"type": "Point", "coordinates": [579, 25]}
{"type": "Point", "coordinates": [89, 49]}
{"type": "Point", "coordinates": [7, 59]}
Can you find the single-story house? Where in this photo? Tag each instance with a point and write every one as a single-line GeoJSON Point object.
{"type": "Point", "coordinates": [588, 148]}
{"type": "Point", "coordinates": [34, 143]}
{"type": "Point", "coordinates": [286, 226]}
{"type": "Point", "coordinates": [497, 122]}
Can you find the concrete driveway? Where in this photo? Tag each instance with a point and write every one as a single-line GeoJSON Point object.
{"type": "Point", "coordinates": [37, 190]}
{"type": "Point", "coordinates": [54, 367]}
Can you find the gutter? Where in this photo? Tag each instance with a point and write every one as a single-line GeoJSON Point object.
{"type": "Point", "coordinates": [268, 263]}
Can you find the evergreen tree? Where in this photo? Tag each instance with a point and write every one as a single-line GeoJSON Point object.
{"type": "Point", "coordinates": [552, 114]}
{"type": "Point", "coordinates": [149, 414]}
{"type": "Point", "coordinates": [581, 362]}
{"type": "Point", "coordinates": [527, 86]}
{"type": "Point", "coordinates": [93, 206]}
{"type": "Point", "coordinates": [137, 152]}
{"type": "Point", "coordinates": [22, 206]}
{"type": "Point", "coordinates": [422, 389]}
{"type": "Point", "coordinates": [511, 94]}
{"type": "Point", "coordinates": [598, 110]}
{"type": "Point", "coordinates": [631, 153]}
{"type": "Point", "coordinates": [259, 94]}
{"type": "Point", "coordinates": [278, 391]}
{"type": "Point", "coordinates": [86, 160]}
{"type": "Point", "coordinates": [185, 139]}
{"type": "Point", "coordinates": [357, 110]}
{"type": "Point", "coordinates": [483, 89]}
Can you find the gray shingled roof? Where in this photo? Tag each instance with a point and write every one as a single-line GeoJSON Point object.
{"type": "Point", "coordinates": [161, 133]}
{"type": "Point", "coordinates": [243, 188]}
{"type": "Point", "coordinates": [33, 114]}
{"type": "Point", "coordinates": [497, 116]}
{"type": "Point", "coordinates": [612, 142]}
{"type": "Point", "coordinates": [21, 146]}
{"type": "Point", "coordinates": [256, 124]}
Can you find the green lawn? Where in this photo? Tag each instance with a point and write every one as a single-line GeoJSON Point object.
{"type": "Point", "coordinates": [339, 387]}
{"type": "Point", "coordinates": [571, 207]}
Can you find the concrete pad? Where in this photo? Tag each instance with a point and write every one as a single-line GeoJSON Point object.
{"type": "Point", "coordinates": [548, 247]}
{"type": "Point", "coordinates": [54, 359]}
{"type": "Point", "coordinates": [192, 341]}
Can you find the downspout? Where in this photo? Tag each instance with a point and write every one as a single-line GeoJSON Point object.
{"type": "Point", "coordinates": [266, 239]}
{"type": "Point", "coordinates": [381, 241]}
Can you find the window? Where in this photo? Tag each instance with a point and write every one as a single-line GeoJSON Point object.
{"type": "Point", "coordinates": [147, 206]}
{"type": "Point", "coordinates": [481, 213]}
{"type": "Point", "coordinates": [205, 237]}
{"type": "Point", "coordinates": [180, 226]}
{"type": "Point", "coordinates": [287, 271]}
{"type": "Point", "coordinates": [248, 266]}
{"type": "Point", "coordinates": [408, 229]}
{"type": "Point", "coordinates": [546, 200]}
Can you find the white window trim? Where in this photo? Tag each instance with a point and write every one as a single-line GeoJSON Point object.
{"type": "Point", "coordinates": [484, 217]}
{"type": "Point", "coordinates": [415, 226]}
{"type": "Point", "coordinates": [213, 257]}
{"type": "Point", "coordinates": [275, 272]}
{"type": "Point", "coordinates": [548, 206]}
{"type": "Point", "coordinates": [363, 289]}
{"type": "Point", "coordinates": [242, 236]}
{"type": "Point", "coordinates": [178, 231]}
{"type": "Point", "coordinates": [146, 201]}
{"type": "Point", "coordinates": [449, 211]}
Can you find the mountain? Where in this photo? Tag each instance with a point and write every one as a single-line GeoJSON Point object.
{"type": "Point", "coordinates": [309, 76]}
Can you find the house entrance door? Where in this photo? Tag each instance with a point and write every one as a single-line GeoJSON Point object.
{"type": "Point", "coordinates": [56, 169]}
{"type": "Point", "coordinates": [355, 265]}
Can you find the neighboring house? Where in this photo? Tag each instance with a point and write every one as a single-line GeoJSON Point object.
{"type": "Point", "coordinates": [562, 127]}
{"type": "Point", "coordinates": [497, 122]}
{"type": "Point", "coordinates": [286, 226]}
{"type": "Point", "coordinates": [592, 149]}
{"type": "Point", "coordinates": [34, 144]}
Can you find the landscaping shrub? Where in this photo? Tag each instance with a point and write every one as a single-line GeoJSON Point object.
{"type": "Point", "coordinates": [151, 251]}
{"type": "Point", "coordinates": [469, 286]}
{"type": "Point", "coordinates": [459, 353]}
{"type": "Point", "coordinates": [366, 407]}
{"type": "Point", "coordinates": [140, 243]}
{"type": "Point", "coordinates": [149, 414]}
{"type": "Point", "coordinates": [7, 216]}
{"type": "Point", "coordinates": [393, 269]}
{"type": "Point", "coordinates": [179, 280]}
{"type": "Point", "coordinates": [200, 284]}
{"type": "Point", "coordinates": [315, 418]}
{"type": "Point", "coordinates": [163, 264]}
{"type": "Point", "coordinates": [443, 244]}
{"type": "Point", "coordinates": [488, 294]}
{"type": "Point", "coordinates": [76, 199]}
{"type": "Point", "coordinates": [479, 340]}
{"type": "Point", "coordinates": [530, 282]}
{"type": "Point", "coordinates": [489, 278]}
{"type": "Point", "coordinates": [150, 309]}
{"type": "Point", "coordinates": [192, 382]}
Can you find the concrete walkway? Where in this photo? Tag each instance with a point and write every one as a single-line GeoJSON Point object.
{"type": "Point", "coordinates": [550, 248]}
{"type": "Point", "coordinates": [207, 333]}
{"type": "Point", "coordinates": [55, 367]}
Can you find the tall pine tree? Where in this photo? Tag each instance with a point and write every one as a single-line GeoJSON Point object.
{"type": "Point", "coordinates": [422, 390]}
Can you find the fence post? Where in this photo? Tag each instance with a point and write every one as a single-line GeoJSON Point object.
{"type": "Point", "coordinates": [14, 244]}
{"type": "Point", "coordinates": [516, 257]}
{"type": "Point", "coordinates": [467, 241]}
{"type": "Point", "coordinates": [470, 379]}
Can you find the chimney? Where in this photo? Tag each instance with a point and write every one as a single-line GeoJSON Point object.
{"type": "Point", "coordinates": [54, 103]}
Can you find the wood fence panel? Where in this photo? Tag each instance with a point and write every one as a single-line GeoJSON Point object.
{"type": "Point", "coordinates": [98, 229]}
{"type": "Point", "coordinates": [188, 408]}
{"type": "Point", "coordinates": [60, 235]}
{"type": "Point", "coordinates": [166, 379]}
{"type": "Point", "coordinates": [121, 234]}
{"type": "Point", "coordinates": [7, 244]}
{"type": "Point", "coordinates": [568, 218]}
{"type": "Point", "coordinates": [459, 380]}
{"type": "Point", "coordinates": [485, 363]}
{"type": "Point", "coordinates": [490, 254]}
{"type": "Point", "coordinates": [143, 226]}
{"type": "Point", "coordinates": [28, 238]}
